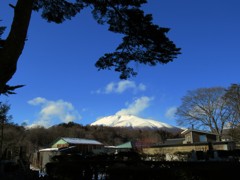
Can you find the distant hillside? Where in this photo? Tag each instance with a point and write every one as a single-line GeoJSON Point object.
{"type": "Point", "coordinates": [134, 122]}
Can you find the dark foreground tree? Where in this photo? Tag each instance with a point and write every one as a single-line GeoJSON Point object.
{"type": "Point", "coordinates": [143, 42]}
{"type": "Point", "coordinates": [205, 108]}
{"type": "Point", "coordinates": [4, 118]}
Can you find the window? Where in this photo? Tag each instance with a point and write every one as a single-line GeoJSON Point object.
{"type": "Point", "coordinates": [203, 138]}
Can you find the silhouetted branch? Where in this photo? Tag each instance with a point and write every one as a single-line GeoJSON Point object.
{"type": "Point", "coordinates": [7, 90]}
{"type": "Point", "coordinates": [12, 6]}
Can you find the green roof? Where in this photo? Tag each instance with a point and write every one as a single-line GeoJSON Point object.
{"type": "Point", "coordinates": [127, 145]}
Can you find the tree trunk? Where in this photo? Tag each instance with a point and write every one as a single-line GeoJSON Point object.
{"type": "Point", "coordinates": [14, 44]}
{"type": "Point", "coordinates": [1, 140]}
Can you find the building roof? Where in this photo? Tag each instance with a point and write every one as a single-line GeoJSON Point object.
{"type": "Point", "coordinates": [127, 145]}
{"type": "Point", "coordinates": [48, 149]}
{"type": "Point", "coordinates": [80, 141]}
{"type": "Point", "coordinates": [195, 130]}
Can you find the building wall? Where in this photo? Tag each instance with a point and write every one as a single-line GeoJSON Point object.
{"type": "Point", "coordinates": [60, 143]}
{"type": "Point", "coordinates": [185, 148]}
{"type": "Point", "coordinates": [88, 147]}
{"type": "Point", "coordinates": [193, 137]}
{"type": "Point", "coordinates": [172, 150]}
{"type": "Point", "coordinates": [209, 137]}
{"type": "Point", "coordinates": [188, 138]}
{"type": "Point", "coordinates": [41, 158]}
{"type": "Point", "coordinates": [45, 157]}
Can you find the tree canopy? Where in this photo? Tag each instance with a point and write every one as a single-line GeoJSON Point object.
{"type": "Point", "coordinates": [143, 42]}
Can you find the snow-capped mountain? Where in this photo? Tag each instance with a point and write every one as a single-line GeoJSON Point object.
{"type": "Point", "coordinates": [134, 122]}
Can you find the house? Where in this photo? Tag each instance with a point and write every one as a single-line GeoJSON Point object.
{"type": "Point", "coordinates": [193, 141]}
{"type": "Point", "coordinates": [65, 145]}
{"type": "Point", "coordinates": [196, 136]}
{"type": "Point", "coordinates": [80, 145]}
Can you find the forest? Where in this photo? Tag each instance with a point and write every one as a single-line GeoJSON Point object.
{"type": "Point", "coordinates": [33, 139]}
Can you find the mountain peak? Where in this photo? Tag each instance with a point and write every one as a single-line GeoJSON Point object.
{"type": "Point", "coordinates": [134, 122]}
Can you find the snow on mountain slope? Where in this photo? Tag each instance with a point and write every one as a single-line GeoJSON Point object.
{"type": "Point", "coordinates": [133, 122]}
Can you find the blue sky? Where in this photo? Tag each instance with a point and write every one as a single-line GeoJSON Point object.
{"type": "Point", "coordinates": [62, 83]}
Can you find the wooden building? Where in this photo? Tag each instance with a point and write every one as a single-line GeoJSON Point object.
{"type": "Point", "coordinates": [64, 146]}
{"type": "Point", "coordinates": [196, 136]}
{"type": "Point", "coordinates": [81, 145]}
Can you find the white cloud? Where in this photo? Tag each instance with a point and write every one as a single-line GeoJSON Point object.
{"type": "Point", "coordinates": [109, 88]}
{"type": "Point", "coordinates": [170, 113]}
{"type": "Point", "coordinates": [141, 87]}
{"type": "Point", "coordinates": [37, 101]}
{"type": "Point", "coordinates": [59, 111]}
{"type": "Point", "coordinates": [136, 107]}
{"type": "Point", "coordinates": [121, 87]}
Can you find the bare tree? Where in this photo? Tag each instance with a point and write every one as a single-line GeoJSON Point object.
{"type": "Point", "coordinates": [232, 97]}
{"type": "Point", "coordinates": [205, 108]}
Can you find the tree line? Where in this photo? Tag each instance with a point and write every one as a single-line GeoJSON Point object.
{"type": "Point", "coordinates": [33, 139]}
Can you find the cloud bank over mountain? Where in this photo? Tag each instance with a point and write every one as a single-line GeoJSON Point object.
{"type": "Point", "coordinates": [136, 107]}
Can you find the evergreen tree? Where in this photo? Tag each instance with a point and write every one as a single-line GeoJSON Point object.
{"type": "Point", "coordinates": [143, 42]}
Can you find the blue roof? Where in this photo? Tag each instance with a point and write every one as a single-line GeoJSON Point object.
{"type": "Point", "coordinates": [81, 141]}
